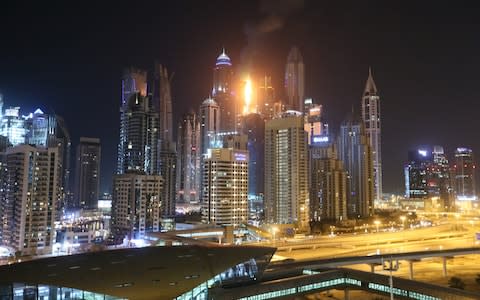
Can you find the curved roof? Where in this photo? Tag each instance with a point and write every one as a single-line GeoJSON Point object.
{"type": "Point", "coordinates": [135, 273]}
{"type": "Point", "coordinates": [223, 59]}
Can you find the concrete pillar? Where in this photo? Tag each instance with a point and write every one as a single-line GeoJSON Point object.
{"type": "Point", "coordinates": [410, 268]}
{"type": "Point", "coordinates": [444, 266]}
{"type": "Point", "coordinates": [372, 268]}
{"type": "Point", "coordinates": [346, 294]}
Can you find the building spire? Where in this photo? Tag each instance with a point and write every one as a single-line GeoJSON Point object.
{"type": "Point", "coordinates": [370, 87]}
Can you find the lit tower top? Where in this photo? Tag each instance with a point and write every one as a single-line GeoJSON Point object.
{"type": "Point", "coordinates": [222, 74]}
{"type": "Point", "coordinates": [223, 59]}
{"type": "Point", "coordinates": [370, 87]}
{"type": "Point", "coordinates": [295, 80]}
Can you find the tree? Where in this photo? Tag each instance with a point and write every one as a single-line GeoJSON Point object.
{"type": "Point", "coordinates": [456, 283]}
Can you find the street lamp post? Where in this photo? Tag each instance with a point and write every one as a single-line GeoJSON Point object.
{"type": "Point", "coordinates": [377, 223]}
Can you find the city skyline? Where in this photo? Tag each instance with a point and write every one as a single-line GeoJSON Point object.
{"type": "Point", "coordinates": [90, 73]}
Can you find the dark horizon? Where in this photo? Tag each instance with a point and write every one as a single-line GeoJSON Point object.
{"type": "Point", "coordinates": [69, 59]}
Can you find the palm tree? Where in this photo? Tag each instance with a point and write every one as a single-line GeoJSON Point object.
{"type": "Point", "coordinates": [456, 283]}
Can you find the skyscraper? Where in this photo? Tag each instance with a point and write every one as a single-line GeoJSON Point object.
{"type": "Point", "coordinates": [225, 187]}
{"type": "Point", "coordinates": [209, 123]}
{"type": "Point", "coordinates": [50, 130]}
{"type": "Point", "coordinates": [136, 204]}
{"type": "Point", "coordinates": [295, 80]}
{"type": "Point", "coordinates": [440, 178]}
{"type": "Point", "coordinates": [13, 126]}
{"type": "Point", "coordinates": [254, 129]}
{"type": "Point", "coordinates": [266, 97]}
{"type": "Point", "coordinates": [87, 173]}
{"type": "Point", "coordinates": [139, 136]}
{"type": "Point", "coordinates": [188, 159]}
{"type": "Point", "coordinates": [134, 81]}
{"type": "Point", "coordinates": [222, 92]}
{"type": "Point", "coordinates": [162, 97]}
{"type": "Point", "coordinates": [464, 175]}
{"type": "Point", "coordinates": [167, 156]}
{"type": "Point", "coordinates": [416, 176]}
{"type": "Point", "coordinates": [30, 200]}
{"type": "Point", "coordinates": [355, 152]}
{"type": "Point", "coordinates": [328, 183]}
{"type": "Point", "coordinates": [372, 122]}
{"type": "Point", "coordinates": [286, 174]}
{"type": "Point", "coordinates": [315, 126]}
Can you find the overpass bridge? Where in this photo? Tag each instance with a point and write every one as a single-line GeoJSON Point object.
{"type": "Point", "coordinates": [341, 279]}
{"type": "Point", "coordinates": [373, 260]}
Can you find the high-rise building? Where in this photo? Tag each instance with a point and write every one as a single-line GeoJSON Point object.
{"type": "Point", "coordinates": [168, 170]}
{"type": "Point", "coordinates": [266, 97]}
{"type": "Point", "coordinates": [134, 86]}
{"type": "Point", "coordinates": [225, 187]}
{"type": "Point", "coordinates": [416, 174]}
{"type": "Point", "coordinates": [50, 130]}
{"type": "Point", "coordinates": [295, 80]}
{"type": "Point", "coordinates": [87, 173]}
{"type": "Point", "coordinates": [162, 98]}
{"type": "Point", "coordinates": [222, 92]}
{"type": "Point", "coordinates": [209, 123]}
{"type": "Point", "coordinates": [13, 126]}
{"type": "Point", "coordinates": [328, 183]}
{"type": "Point", "coordinates": [139, 136]}
{"type": "Point", "coordinates": [30, 199]}
{"type": "Point", "coordinates": [372, 122]}
{"type": "Point", "coordinates": [254, 129]}
{"type": "Point", "coordinates": [286, 171]}
{"type": "Point", "coordinates": [355, 152]}
{"type": "Point", "coordinates": [315, 126]}
{"type": "Point", "coordinates": [440, 178]}
{"type": "Point", "coordinates": [136, 203]}
{"type": "Point", "coordinates": [464, 169]}
{"type": "Point", "coordinates": [188, 159]}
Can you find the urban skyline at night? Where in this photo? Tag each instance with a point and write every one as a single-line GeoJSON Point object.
{"type": "Point", "coordinates": [251, 150]}
{"type": "Point", "coordinates": [333, 80]}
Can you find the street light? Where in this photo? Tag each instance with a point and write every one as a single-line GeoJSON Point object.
{"type": "Point", "coordinates": [274, 230]}
{"type": "Point", "coordinates": [403, 218]}
{"type": "Point", "coordinates": [377, 223]}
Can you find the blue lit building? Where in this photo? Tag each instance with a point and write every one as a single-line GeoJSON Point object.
{"type": "Point", "coordinates": [416, 176]}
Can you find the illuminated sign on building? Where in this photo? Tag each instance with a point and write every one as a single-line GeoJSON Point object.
{"type": "Point", "coordinates": [240, 156]}
{"type": "Point", "coordinates": [422, 152]}
{"type": "Point", "coordinates": [320, 139]}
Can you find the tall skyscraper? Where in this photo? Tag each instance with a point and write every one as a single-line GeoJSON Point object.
{"type": "Point", "coordinates": [254, 129]}
{"type": "Point", "coordinates": [188, 159]}
{"type": "Point", "coordinates": [30, 200]}
{"type": "Point", "coordinates": [139, 136]}
{"type": "Point", "coordinates": [286, 174]}
{"type": "Point", "coordinates": [134, 86]}
{"type": "Point", "coordinates": [222, 92]}
{"type": "Point", "coordinates": [225, 187]}
{"type": "Point", "coordinates": [13, 126]}
{"type": "Point", "coordinates": [209, 123]}
{"type": "Point", "coordinates": [372, 122]}
{"type": "Point", "coordinates": [50, 130]}
{"type": "Point", "coordinates": [440, 178]}
{"type": "Point", "coordinates": [266, 97]}
{"type": "Point", "coordinates": [417, 174]}
{"type": "Point", "coordinates": [328, 183]}
{"type": "Point", "coordinates": [136, 204]}
{"type": "Point", "coordinates": [295, 80]}
{"type": "Point", "coordinates": [87, 173]}
{"type": "Point", "coordinates": [162, 97]}
{"type": "Point", "coordinates": [464, 175]}
{"type": "Point", "coordinates": [355, 152]}
{"type": "Point", "coordinates": [315, 126]}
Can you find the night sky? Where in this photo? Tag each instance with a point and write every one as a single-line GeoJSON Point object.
{"type": "Point", "coordinates": [425, 57]}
